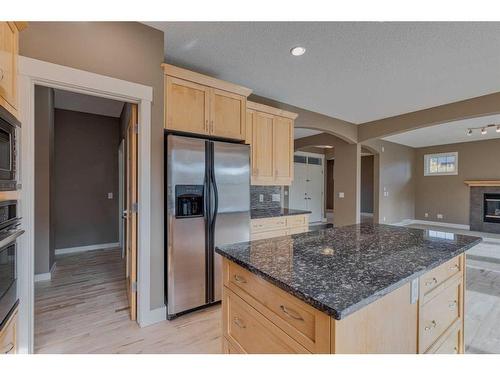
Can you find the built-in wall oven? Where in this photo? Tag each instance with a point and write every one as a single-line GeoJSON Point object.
{"type": "Point", "coordinates": [9, 232]}
{"type": "Point", "coordinates": [8, 124]}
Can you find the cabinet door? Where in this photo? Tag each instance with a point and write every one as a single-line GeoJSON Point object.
{"type": "Point", "coordinates": [262, 150]}
{"type": "Point", "coordinates": [8, 66]}
{"type": "Point", "coordinates": [228, 115]}
{"type": "Point", "coordinates": [249, 126]}
{"type": "Point", "coordinates": [283, 150]}
{"type": "Point", "coordinates": [187, 106]}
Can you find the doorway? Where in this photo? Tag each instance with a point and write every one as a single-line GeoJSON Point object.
{"type": "Point", "coordinates": [367, 206]}
{"type": "Point", "coordinates": [34, 72]}
{"type": "Point", "coordinates": [307, 189]}
{"type": "Point", "coordinates": [79, 268]}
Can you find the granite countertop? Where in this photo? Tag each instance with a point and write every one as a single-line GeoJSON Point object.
{"type": "Point", "coordinates": [275, 212]}
{"type": "Point", "coordinates": [340, 270]}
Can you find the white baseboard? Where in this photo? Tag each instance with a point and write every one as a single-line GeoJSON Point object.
{"type": "Point", "coordinates": [154, 316]}
{"type": "Point", "coordinates": [45, 276]}
{"type": "Point", "coordinates": [78, 249]}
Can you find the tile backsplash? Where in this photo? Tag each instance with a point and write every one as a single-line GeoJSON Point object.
{"type": "Point", "coordinates": [267, 194]}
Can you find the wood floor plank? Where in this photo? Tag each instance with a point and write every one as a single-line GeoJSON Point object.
{"type": "Point", "coordinates": [84, 309]}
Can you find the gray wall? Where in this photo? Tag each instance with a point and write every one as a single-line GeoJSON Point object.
{"type": "Point", "coordinates": [44, 187]}
{"type": "Point", "coordinates": [448, 195]}
{"type": "Point", "coordinates": [395, 174]}
{"type": "Point", "coordinates": [86, 170]}
{"type": "Point", "coordinates": [367, 183]}
{"type": "Point", "coordinates": [125, 50]}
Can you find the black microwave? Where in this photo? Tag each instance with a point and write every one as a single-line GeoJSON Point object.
{"type": "Point", "coordinates": [8, 124]}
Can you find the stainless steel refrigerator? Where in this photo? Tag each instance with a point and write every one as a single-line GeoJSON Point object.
{"type": "Point", "coordinates": [207, 204]}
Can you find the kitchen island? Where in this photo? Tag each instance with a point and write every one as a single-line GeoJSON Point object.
{"type": "Point", "coordinates": [366, 288]}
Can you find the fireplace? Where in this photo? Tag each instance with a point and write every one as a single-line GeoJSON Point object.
{"type": "Point", "coordinates": [491, 208]}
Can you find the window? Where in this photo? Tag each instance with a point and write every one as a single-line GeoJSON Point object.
{"type": "Point", "coordinates": [441, 164]}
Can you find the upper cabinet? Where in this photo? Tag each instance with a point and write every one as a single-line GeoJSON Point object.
{"type": "Point", "coordinates": [271, 139]}
{"type": "Point", "coordinates": [9, 51]}
{"type": "Point", "coordinates": [199, 104]}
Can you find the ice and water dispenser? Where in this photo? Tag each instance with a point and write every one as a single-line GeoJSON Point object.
{"type": "Point", "coordinates": [189, 201]}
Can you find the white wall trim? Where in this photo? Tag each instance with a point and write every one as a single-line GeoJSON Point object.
{"type": "Point", "coordinates": [45, 276]}
{"type": "Point", "coordinates": [154, 316]}
{"type": "Point", "coordinates": [35, 72]}
{"type": "Point", "coordinates": [79, 249]}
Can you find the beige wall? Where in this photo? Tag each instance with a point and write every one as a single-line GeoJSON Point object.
{"type": "Point", "coordinates": [124, 50]}
{"type": "Point", "coordinates": [396, 173]}
{"type": "Point", "coordinates": [448, 195]}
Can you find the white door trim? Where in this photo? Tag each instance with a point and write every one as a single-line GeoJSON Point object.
{"type": "Point", "coordinates": [35, 72]}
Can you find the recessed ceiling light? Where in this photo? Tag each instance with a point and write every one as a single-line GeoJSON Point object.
{"type": "Point", "coordinates": [298, 51]}
{"type": "Point", "coordinates": [469, 131]}
{"type": "Point", "coordinates": [484, 131]}
{"type": "Point", "coordinates": [498, 128]}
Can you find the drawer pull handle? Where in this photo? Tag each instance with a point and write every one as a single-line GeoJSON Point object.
{"type": "Point", "coordinates": [452, 304]}
{"type": "Point", "coordinates": [240, 279]}
{"type": "Point", "coordinates": [9, 347]}
{"type": "Point", "coordinates": [433, 281]}
{"type": "Point", "coordinates": [432, 326]}
{"type": "Point", "coordinates": [291, 313]}
{"type": "Point", "coordinates": [239, 323]}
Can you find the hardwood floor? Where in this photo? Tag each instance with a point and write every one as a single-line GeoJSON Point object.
{"type": "Point", "coordinates": [84, 309]}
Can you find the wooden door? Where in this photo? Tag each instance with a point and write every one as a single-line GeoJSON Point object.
{"type": "Point", "coordinates": [329, 184]}
{"type": "Point", "coordinates": [262, 149]}
{"type": "Point", "coordinates": [227, 115]}
{"type": "Point", "coordinates": [283, 150]}
{"type": "Point", "coordinates": [187, 106]}
{"type": "Point", "coordinates": [131, 215]}
{"type": "Point", "coordinates": [9, 42]}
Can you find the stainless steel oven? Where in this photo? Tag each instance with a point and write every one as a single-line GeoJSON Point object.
{"type": "Point", "coordinates": [9, 232]}
{"type": "Point", "coordinates": [8, 124]}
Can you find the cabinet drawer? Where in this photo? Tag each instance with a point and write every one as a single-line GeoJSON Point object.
{"type": "Point", "coordinates": [8, 336]}
{"type": "Point", "coordinates": [269, 234]}
{"type": "Point", "coordinates": [449, 342]}
{"type": "Point", "coordinates": [268, 224]}
{"type": "Point", "coordinates": [250, 332]}
{"type": "Point", "coordinates": [296, 221]}
{"type": "Point", "coordinates": [439, 313]}
{"type": "Point", "coordinates": [299, 320]}
{"type": "Point", "coordinates": [432, 279]}
{"type": "Point", "coordinates": [296, 230]}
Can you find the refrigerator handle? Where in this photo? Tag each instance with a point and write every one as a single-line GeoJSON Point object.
{"type": "Point", "coordinates": [216, 198]}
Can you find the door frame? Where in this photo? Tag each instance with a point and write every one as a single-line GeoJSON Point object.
{"type": "Point", "coordinates": [36, 72]}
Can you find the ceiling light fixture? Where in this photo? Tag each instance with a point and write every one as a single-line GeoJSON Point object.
{"type": "Point", "coordinates": [298, 51]}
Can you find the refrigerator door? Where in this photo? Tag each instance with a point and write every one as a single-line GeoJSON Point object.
{"type": "Point", "coordinates": [231, 182]}
{"type": "Point", "coordinates": [186, 232]}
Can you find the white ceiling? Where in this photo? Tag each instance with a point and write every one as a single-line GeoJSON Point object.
{"type": "Point", "coordinates": [303, 132]}
{"type": "Point", "coordinates": [73, 101]}
{"type": "Point", "coordinates": [451, 132]}
{"type": "Point", "coordinates": [355, 71]}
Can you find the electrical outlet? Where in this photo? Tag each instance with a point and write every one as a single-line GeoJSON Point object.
{"type": "Point", "coordinates": [110, 195]}
{"type": "Point", "coordinates": [276, 197]}
{"type": "Point", "coordinates": [439, 216]}
{"type": "Point", "coordinates": [341, 194]}
{"type": "Point", "coordinates": [261, 198]}
{"type": "Point", "coordinates": [383, 148]}
{"type": "Point", "coordinates": [386, 193]}
{"type": "Point", "coordinates": [426, 214]}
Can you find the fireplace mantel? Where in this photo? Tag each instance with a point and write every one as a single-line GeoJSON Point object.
{"type": "Point", "coordinates": [482, 182]}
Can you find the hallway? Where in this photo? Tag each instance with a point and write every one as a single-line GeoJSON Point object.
{"type": "Point", "coordinates": [84, 309]}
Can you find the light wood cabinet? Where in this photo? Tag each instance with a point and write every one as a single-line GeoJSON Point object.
{"type": "Point", "coordinates": [278, 226]}
{"type": "Point", "coordinates": [9, 51]}
{"type": "Point", "coordinates": [271, 144]}
{"type": "Point", "coordinates": [259, 317]}
{"type": "Point", "coordinates": [8, 335]}
{"type": "Point", "coordinates": [198, 104]}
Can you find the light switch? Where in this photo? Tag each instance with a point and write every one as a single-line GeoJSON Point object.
{"type": "Point", "coordinates": [261, 198]}
{"type": "Point", "coordinates": [341, 194]}
{"type": "Point", "coordinates": [276, 197]}
{"type": "Point", "coordinates": [110, 195]}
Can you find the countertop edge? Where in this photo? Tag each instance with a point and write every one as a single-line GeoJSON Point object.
{"type": "Point", "coordinates": [341, 314]}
